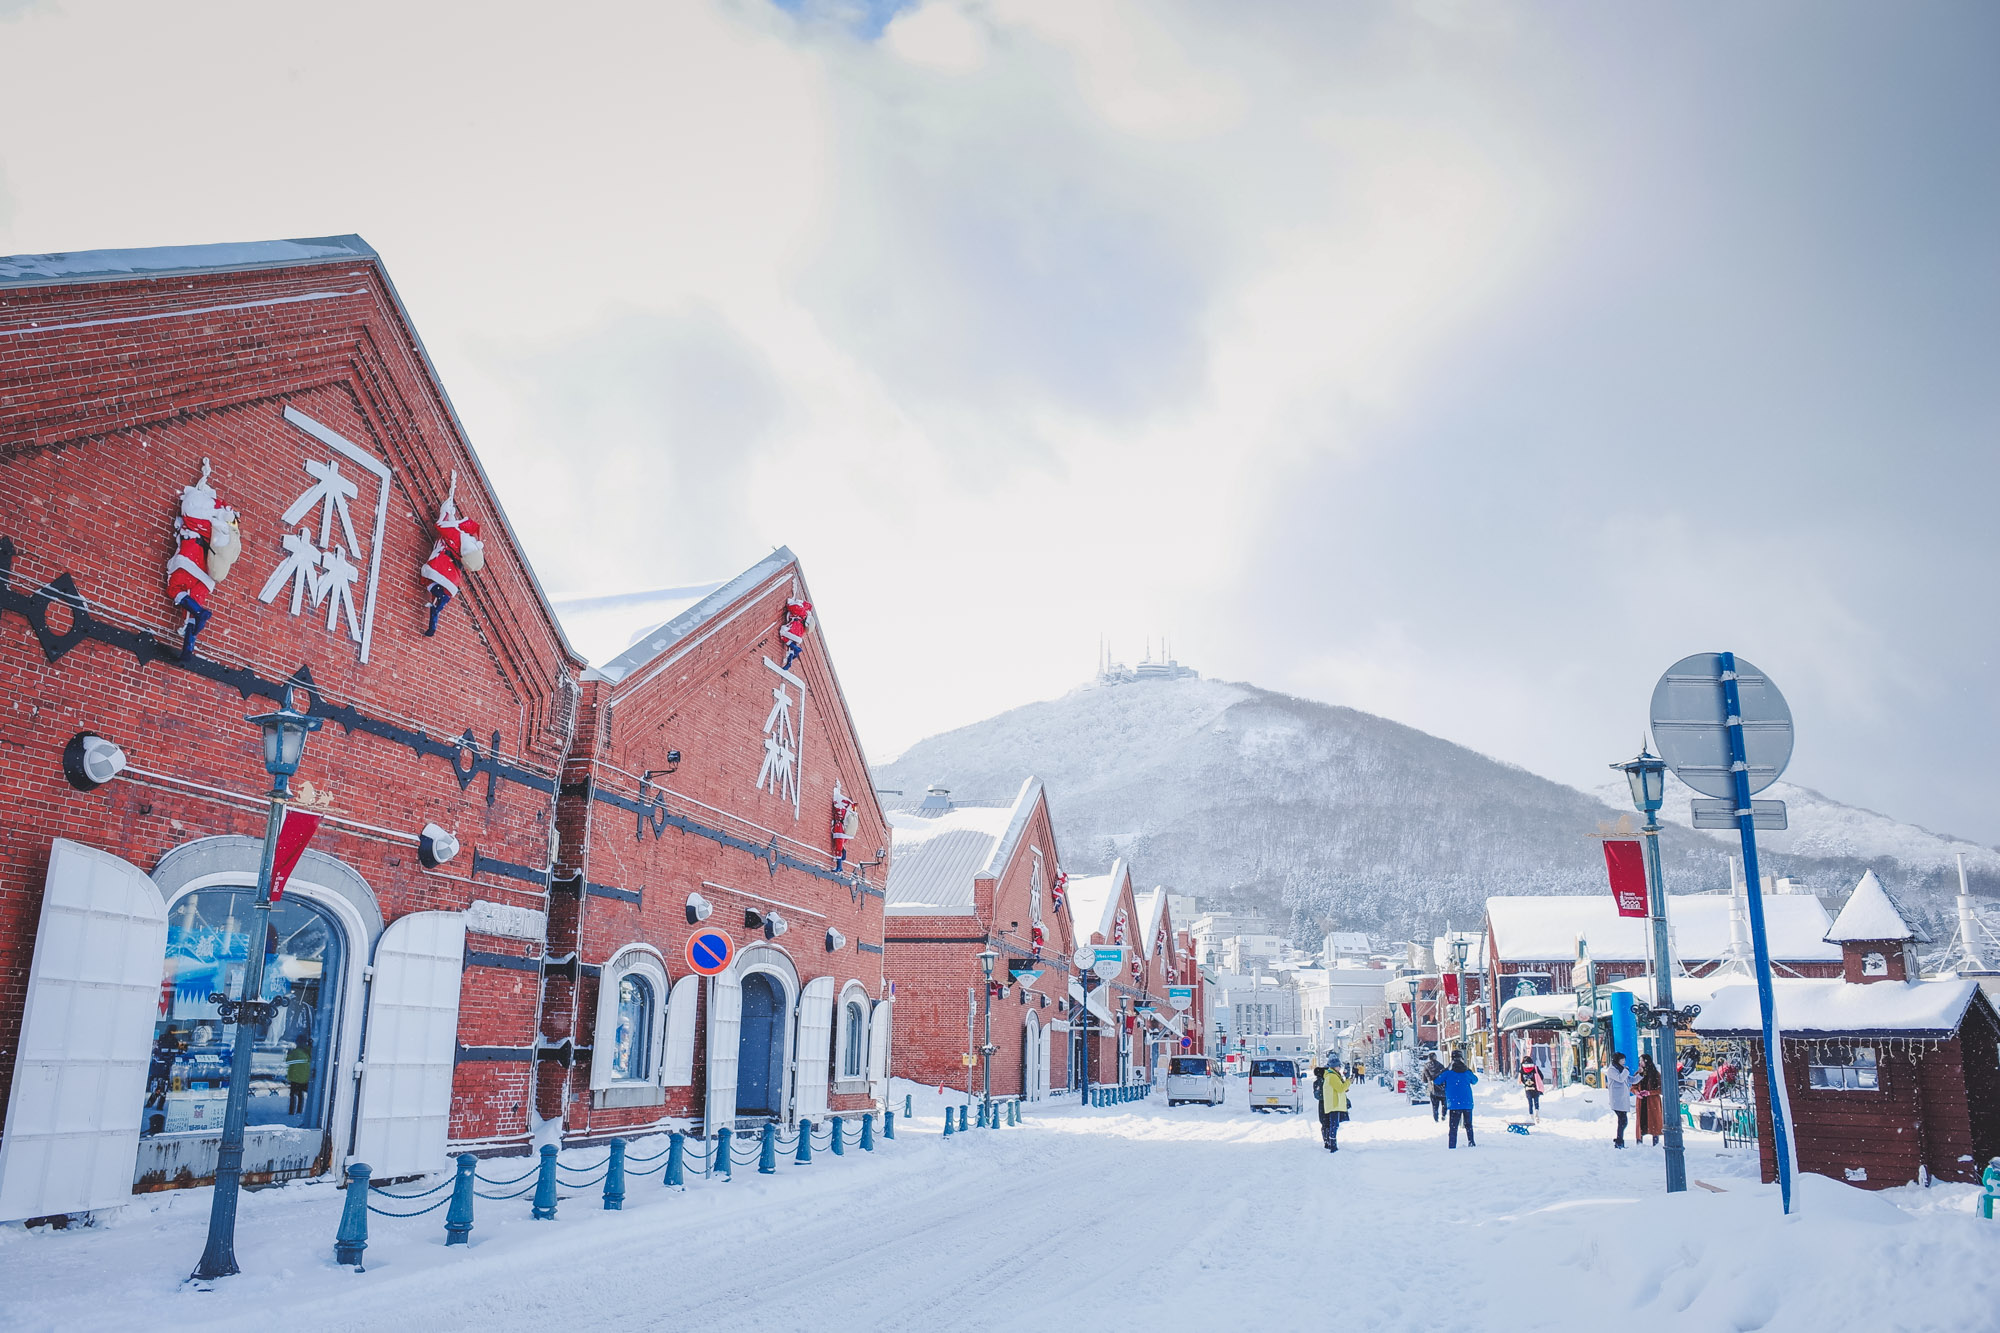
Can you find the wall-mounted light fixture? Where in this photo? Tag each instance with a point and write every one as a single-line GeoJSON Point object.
{"type": "Point", "coordinates": [752, 918]}
{"type": "Point", "coordinates": [774, 925]}
{"type": "Point", "coordinates": [698, 908]}
{"type": "Point", "coordinates": [835, 941]}
{"type": "Point", "coordinates": [673, 762]}
{"type": "Point", "coordinates": [435, 846]}
{"type": "Point", "coordinates": [89, 761]}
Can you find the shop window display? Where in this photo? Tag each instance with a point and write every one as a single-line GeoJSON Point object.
{"type": "Point", "coordinates": [187, 1081]}
{"type": "Point", "coordinates": [633, 1039]}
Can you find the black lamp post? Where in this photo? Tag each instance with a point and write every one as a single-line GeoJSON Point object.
{"type": "Point", "coordinates": [284, 745]}
{"type": "Point", "coordinates": [1647, 773]}
{"type": "Point", "coordinates": [987, 957]}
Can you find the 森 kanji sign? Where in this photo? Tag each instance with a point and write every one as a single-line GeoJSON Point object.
{"type": "Point", "coordinates": [1626, 860]}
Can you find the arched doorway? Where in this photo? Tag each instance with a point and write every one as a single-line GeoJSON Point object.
{"type": "Point", "coordinates": [760, 1070]}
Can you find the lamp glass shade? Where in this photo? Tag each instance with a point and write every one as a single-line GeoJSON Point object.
{"type": "Point", "coordinates": [284, 740]}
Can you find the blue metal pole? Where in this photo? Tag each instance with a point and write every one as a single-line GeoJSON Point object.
{"type": "Point", "coordinates": [614, 1178]}
{"type": "Point", "coordinates": [545, 1187]}
{"type": "Point", "coordinates": [868, 1131]}
{"type": "Point", "coordinates": [676, 1161]}
{"type": "Point", "coordinates": [458, 1217]}
{"type": "Point", "coordinates": [1753, 883]}
{"type": "Point", "coordinates": [352, 1238]}
{"type": "Point", "coordinates": [767, 1155]}
{"type": "Point", "coordinates": [838, 1150]}
{"type": "Point", "coordinates": [718, 1157]}
{"type": "Point", "coordinates": [805, 1154]}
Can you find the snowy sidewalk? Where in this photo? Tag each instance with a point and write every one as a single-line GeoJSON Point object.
{"type": "Point", "coordinates": [1195, 1217]}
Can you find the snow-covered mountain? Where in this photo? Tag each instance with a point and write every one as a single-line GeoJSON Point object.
{"type": "Point", "coordinates": [1325, 816]}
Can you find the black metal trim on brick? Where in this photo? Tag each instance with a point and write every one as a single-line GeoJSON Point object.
{"type": "Point", "coordinates": [607, 891]}
{"type": "Point", "coordinates": [511, 1055]}
{"type": "Point", "coordinates": [514, 961]}
{"type": "Point", "coordinates": [493, 866]}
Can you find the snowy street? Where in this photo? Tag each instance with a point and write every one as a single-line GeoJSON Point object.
{"type": "Point", "coordinates": [1189, 1218]}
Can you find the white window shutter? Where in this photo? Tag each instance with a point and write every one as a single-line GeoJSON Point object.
{"type": "Point", "coordinates": [72, 1135]}
{"type": "Point", "coordinates": [878, 1041]}
{"type": "Point", "coordinates": [679, 1062]}
{"type": "Point", "coordinates": [815, 1047]}
{"type": "Point", "coordinates": [605, 1034]}
{"type": "Point", "coordinates": [725, 1037]}
{"type": "Point", "coordinates": [406, 1069]}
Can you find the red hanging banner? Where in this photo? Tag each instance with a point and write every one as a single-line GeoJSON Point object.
{"type": "Point", "coordinates": [1451, 987]}
{"type": "Point", "coordinates": [293, 834]}
{"type": "Point", "coordinates": [1626, 860]}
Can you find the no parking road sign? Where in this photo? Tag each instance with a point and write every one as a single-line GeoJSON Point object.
{"type": "Point", "coordinates": [709, 952]}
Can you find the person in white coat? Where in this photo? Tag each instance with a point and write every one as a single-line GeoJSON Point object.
{"type": "Point", "coordinates": [1618, 1079]}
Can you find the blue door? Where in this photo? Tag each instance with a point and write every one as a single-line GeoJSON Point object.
{"type": "Point", "coordinates": [759, 1075]}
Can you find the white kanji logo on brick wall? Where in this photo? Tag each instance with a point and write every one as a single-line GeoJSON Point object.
{"type": "Point", "coordinates": [323, 566]}
{"type": "Point", "coordinates": [780, 771]}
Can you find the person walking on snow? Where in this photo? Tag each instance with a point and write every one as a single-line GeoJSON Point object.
{"type": "Point", "coordinates": [1432, 1072]}
{"type": "Point", "coordinates": [1331, 1087]}
{"type": "Point", "coordinates": [1651, 1108]}
{"type": "Point", "coordinates": [1456, 1083]}
{"type": "Point", "coordinates": [1531, 1083]}
{"type": "Point", "coordinates": [1618, 1080]}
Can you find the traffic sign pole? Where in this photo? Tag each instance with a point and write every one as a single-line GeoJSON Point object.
{"type": "Point", "coordinates": [1746, 825]}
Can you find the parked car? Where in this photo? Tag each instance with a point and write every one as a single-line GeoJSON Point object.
{"type": "Point", "coordinates": [1194, 1078]}
{"type": "Point", "coordinates": [1274, 1086]}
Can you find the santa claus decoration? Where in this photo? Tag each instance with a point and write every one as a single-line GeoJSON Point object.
{"type": "Point", "coordinates": [207, 540]}
{"type": "Point", "coordinates": [846, 823]}
{"type": "Point", "coordinates": [1036, 939]}
{"type": "Point", "coordinates": [1118, 927]}
{"type": "Point", "coordinates": [1060, 886]}
{"type": "Point", "coordinates": [456, 553]}
{"type": "Point", "coordinates": [798, 619]}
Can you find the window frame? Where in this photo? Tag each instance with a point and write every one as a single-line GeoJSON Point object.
{"type": "Point", "coordinates": [853, 995]}
{"type": "Point", "coordinates": [644, 962]}
{"type": "Point", "coordinates": [1820, 1069]}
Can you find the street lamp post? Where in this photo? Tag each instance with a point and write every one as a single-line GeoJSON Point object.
{"type": "Point", "coordinates": [284, 745]}
{"type": "Point", "coordinates": [987, 957]}
{"type": "Point", "coordinates": [1648, 778]}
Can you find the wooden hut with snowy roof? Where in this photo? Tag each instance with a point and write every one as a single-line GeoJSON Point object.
{"type": "Point", "coordinates": [1891, 1079]}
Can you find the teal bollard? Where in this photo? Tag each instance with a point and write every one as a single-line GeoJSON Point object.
{"type": "Point", "coordinates": [1990, 1180]}
{"type": "Point", "coordinates": [961, 1120]}
{"type": "Point", "coordinates": [805, 1153]}
{"type": "Point", "coordinates": [907, 1112]}
{"type": "Point", "coordinates": [614, 1178]}
{"type": "Point", "coordinates": [767, 1157]}
{"type": "Point", "coordinates": [719, 1154]}
{"type": "Point", "coordinates": [868, 1132]}
{"type": "Point", "coordinates": [889, 1123]}
{"type": "Point", "coordinates": [979, 1121]}
{"type": "Point", "coordinates": [676, 1162]}
{"type": "Point", "coordinates": [947, 1122]}
{"type": "Point", "coordinates": [352, 1238]}
{"type": "Point", "coordinates": [545, 1188]}
{"type": "Point", "coordinates": [838, 1150]}
{"type": "Point", "coordinates": [458, 1217]}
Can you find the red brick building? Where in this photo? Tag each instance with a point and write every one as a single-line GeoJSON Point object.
{"type": "Point", "coordinates": [705, 774]}
{"type": "Point", "coordinates": [968, 877]}
{"type": "Point", "coordinates": [1104, 910]}
{"type": "Point", "coordinates": [148, 395]}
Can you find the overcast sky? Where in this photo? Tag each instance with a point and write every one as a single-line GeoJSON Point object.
{"type": "Point", "coordinates": [1464, 363]}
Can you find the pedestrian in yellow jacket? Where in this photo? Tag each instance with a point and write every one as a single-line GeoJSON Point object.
{"type": "Point", "coordinates": [1332, 1085]}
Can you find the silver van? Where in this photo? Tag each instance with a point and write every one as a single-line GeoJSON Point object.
{"type": "Point", "coordinates": [1194, 1078]}
{"type": "Point", "coordinates": [1274, 1086]}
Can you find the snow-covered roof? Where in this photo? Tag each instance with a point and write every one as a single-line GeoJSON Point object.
{"type": "Point", "coordinates": [167, 260]}
{"type": "Point", "coordinates": [1871, 914]}
{"type": "Point", "coordinates": [1093, 901]}
{"type": "Point", "coordinates": [1814, 1005]}
{"type": "Point", "coordinates": [1353, 940]}
{"type": "Point", "coordinates": [938, 855]}
{"type": "Point", "coordinates": [1544, 928]}
{"type": "Point", "coordinates": [694, 618]}
{"type": "Point", "coordinates": [1528, 1011]}
{"type": "Point", "coordinates": [1151, 904]}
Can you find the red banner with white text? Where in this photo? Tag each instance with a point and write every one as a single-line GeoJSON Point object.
{"type": "Point", "coordinates": [1626, 860]}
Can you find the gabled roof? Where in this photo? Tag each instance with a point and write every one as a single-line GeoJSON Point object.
{"type": "Point", "coordinates": [1871, 914]}
{"type": "Point", "coordinates": [688, 622]}
{"type": "Point", "coordinates": [1152, 905]}
{"type": "Point", "coordinates": [1093, 900]}
{"type": "Point", "coordinates": [164, 261]}
{"type": "Point", "coordinates": [938, 855]}
{"type": "Point", "coordinates": [1544, 929]}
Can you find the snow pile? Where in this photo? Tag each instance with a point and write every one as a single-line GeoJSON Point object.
{"type": "Point", "coordinates": [1813, 1005]}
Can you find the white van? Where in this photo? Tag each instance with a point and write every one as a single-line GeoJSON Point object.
{"type": "Point", "coordinates": [1274, 1086]}
{"type": "Point", "coordinates": [1194, 1078]}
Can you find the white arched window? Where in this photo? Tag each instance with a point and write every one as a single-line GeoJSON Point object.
{"type": "Point", "coordinates": [850, 1042]}
{"type": "Point", "coordinates": [626, 1052]}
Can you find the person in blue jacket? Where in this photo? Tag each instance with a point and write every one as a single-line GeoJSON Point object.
{"type": "Point", "coordinates": [1457, 1082]}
